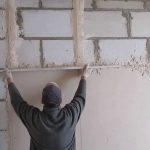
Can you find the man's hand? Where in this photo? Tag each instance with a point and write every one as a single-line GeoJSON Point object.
{"type": "Point", "coordinates": [8, 76]}
{"type": "Point", "coordinates": [86, 72]}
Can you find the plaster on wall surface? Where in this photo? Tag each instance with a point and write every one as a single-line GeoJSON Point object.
{"type": "Point", "coordinates": [32, 93]}
{"type": "Point", "coordinates": [116, 116]}
{"type": "Point", "coordinates": [117, 112]}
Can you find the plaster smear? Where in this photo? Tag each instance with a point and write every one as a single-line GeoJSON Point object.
{"type": "Point", "coordinates": [132, 54]}
{"type": "Point", "coordinates": [14, 42]}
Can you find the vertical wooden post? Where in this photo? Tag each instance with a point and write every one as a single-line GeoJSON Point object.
{"type": "Point", "coordinates": [13, 40]}
{"type": "Point", "coordinates": [78, 20]}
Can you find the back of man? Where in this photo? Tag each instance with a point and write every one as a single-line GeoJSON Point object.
{"type": "Point", "coordinates": [53, 130]}
{"type": "Point", "coordinates": [54, 127]}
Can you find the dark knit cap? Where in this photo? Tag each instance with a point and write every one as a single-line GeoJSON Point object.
{"type": "Point", "coordinates": [51, 94]}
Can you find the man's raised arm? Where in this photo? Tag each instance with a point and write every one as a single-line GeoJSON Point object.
{"type": "Point", "coordinates": [21, 107]}
{"type": "Point", "coordinates": [76, 106]}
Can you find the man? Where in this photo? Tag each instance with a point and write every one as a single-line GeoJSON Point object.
{"type": "Point", "coordinates": [54, 127]}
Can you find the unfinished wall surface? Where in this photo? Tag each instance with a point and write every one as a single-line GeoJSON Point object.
{"type": "Point", "coordinates": [42, 34]}
{"type": "Point", "coordinates": [113, 24]}
{"type": "Point", "coordinates": [117, 109]}
{"type": "Point", "coordinates": [3, 55]}
{"type": "Point", "coordinates": [46, 28]}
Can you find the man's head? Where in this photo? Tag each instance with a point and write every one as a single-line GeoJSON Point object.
{"type": "Point", "coordinates": [51, 94]}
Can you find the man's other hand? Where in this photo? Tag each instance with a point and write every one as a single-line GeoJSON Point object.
{"type": "Point", "coordinates": [86, 72]}
{"type": "Point", "coordinates": [8, 76]}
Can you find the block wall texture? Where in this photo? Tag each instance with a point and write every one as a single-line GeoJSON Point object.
{"type": "Point", "coordinates": [46, 27]}
{"type": "Point", "coordinates": [115, 32]}
{"type": "Point", "coordinates": [3, 117]}
{"type": "Point", "coordinates": [3, 55]}
{"type": "Point", "coordinates": [52, 22]}
{"type": "Point", "coordinates": [123, 24]}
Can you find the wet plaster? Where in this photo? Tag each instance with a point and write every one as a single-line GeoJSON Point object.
{"type": "Point", "coordinates": [146, 5]}
{"type": "Point", "coordinates": [40, 4]}
{"type": "Point", "coordinates": [19, 21]}
{"type": "Point", "coordinates": [94, 4]}
{"type": "Point", "coordinates": [96, 51]}
{"type": "Point", "coordinates": [42, 60]}
{"type": "Point", "coordinates": [148, 50]}
{"type": "Point", "coordinates": [126, 14]}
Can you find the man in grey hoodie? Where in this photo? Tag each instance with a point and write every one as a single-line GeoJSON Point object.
{"type": "Point", "coordinates": [54, 127]}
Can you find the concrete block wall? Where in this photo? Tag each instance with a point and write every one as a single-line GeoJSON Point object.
{"type": "Point", "coordinates": [4, 138]}
{"type": "Point", "coordinates": [2, 3]}
{"type": "Point", "coordinates": [45, 3]}
{"type": "Point", "coordinates": [46, 28]}
{"type": "Point", "coordinates": [3, 28]}
{"type": "Point", "coordinates": [3, 53]}
{"type": "Point", "coordinates": [3, 105]}
{"type": "Point", "coordinates": [48, 21]}
{"type": "Point", "coordinates": [123, 24]}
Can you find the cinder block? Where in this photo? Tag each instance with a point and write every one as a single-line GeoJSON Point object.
{"type": "Point", "coordinates": [105, 24]}
{"type": "Point", "coordinates": [57, 3]}
{"type": "Point", "coordinates": [2, 88]}
{"type": "Point", "coordinates": [88, 54]}
{"type": "Point", "coordinates": [3, 116]}
{"type": "Point", "coordinates": [2, 3]}
{"type": "Point", "coordinates": [58, 52]}
{"type": "Point", "coordinates": [2, 24]}
{"type": "Point", "coordinates": [147, 5]}
{"type": "Point", "coordinates": [3, 140]}
{"type": "Point", "coordinates": [114, 4]}
{"type": "Point", "coordinates": [47, 23]}
{"type": "Point", "coordinates": [140, 24]}
{"type": "Point", "coordinates": [3, 53]}
{"type": "Point", "coordinates": [28, 54]}
{"type": "Point", "coordinates": [27, 3]}
{"type": "Point", "coordinates": [121, 51]}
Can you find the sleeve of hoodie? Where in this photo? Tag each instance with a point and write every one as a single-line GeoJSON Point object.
{"type": "Point", "coordinates": [26, 112]}
{"type": "Point", "coordinates": [76, 106]}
